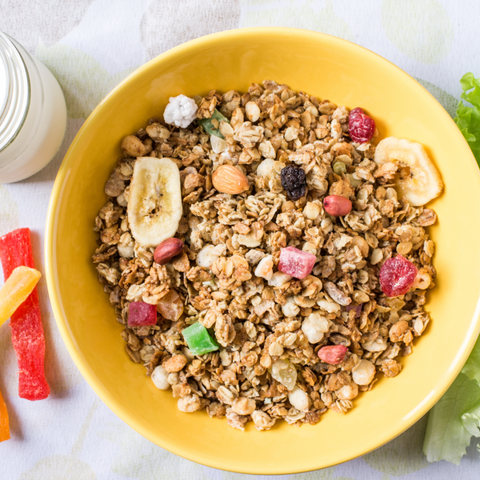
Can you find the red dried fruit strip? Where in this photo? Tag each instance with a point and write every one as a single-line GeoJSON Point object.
{"type": "Point", "coordinates": [397, 276]}
{"type": "Point", "coordinates": [26, 323]}
{"type": "Point", "coordinates": [361, 127]}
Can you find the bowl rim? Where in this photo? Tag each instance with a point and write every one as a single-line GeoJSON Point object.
{"type": "Point", "coordinates": [60, 317]}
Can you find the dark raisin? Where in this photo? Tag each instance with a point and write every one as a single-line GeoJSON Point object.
{"type": "Point", "coordinates": [294, 181]}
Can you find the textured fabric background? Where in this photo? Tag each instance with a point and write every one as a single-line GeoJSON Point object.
{"type": "Point", "coordinates": [90, 45]}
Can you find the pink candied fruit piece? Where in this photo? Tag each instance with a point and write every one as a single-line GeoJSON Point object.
{"type": "Point", "coordinates": [295, 262]}
{"type": "Point", "coordinates": [141, 314]}
{"type": "Point", "coordinates": [397, 275]}
{"type": "Point", "coordinates": [361, 127]}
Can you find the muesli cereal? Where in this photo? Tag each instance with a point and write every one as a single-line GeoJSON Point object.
{"type": "Point", "coordinates": [269, 301]}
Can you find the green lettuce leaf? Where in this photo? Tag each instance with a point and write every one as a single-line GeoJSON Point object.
{"type": "Point", "coordinates": [468, 118]}
{"type": "Point", "coordinates": [472, 368]}
{"type": "Point", "coordinates": [471, 421]}
{"type": "Point", "coordinates": [453, 421]}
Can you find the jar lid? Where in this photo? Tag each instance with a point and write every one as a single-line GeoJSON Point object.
{"type": "Point", "coordinates": [14, 91]}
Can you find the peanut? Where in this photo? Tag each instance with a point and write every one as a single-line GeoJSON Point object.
{"type": "Point", "coordinates": [167, 250]}
{"type": "Point", "coordinates": [243, 406]}
{"type": "Point", "coordinates": [332, 354]}
{"type": "Point", "coordinates": [363, 373]}
{"type": "Point", "coordinates": [175, 364]}
{"type": "Point", "coordinates": [337, 205]}
{"type": "Point", "coordinates": [398, 330]}
{"type": "Point", "coordinates": [133, 146]}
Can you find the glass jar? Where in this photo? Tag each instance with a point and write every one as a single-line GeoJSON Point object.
{"type": "Point", "coordinates": [33, 114]}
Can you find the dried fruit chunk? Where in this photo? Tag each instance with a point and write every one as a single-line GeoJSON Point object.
{"type": "Point", "coordinates": [141, 314]}
{"type": "Point", "coordinates": [356, 308]}
{"type": "Point", "coordinates": [296, 263]}
{"type": "Point", "coordinates": [332, 354]}
{"type": "Point", "coordinates": [170, 306]}
{"type": "Point", "coordinates": [418, 180]}
{"type": "Point", "coordinates": [284, 371]}
{"type": "Point", "coordinates": [199, 340]}
{"type": "Point", "coordinates": [294, 181]}
{"type": "Point", "coordinates": [16, 290]}
{"type": "Point", "coordinates": [4, 423]}
{"type": "Point", "coordinates": [397, 275]}
{"type": "Point", "coordinates": [356, 111]}
{"type": "Point", "coordinates": [360, 126]}
{"type": "Point", "coordinates": [160, 378]}
{"type": "Point", "coordinates": [26, 323]}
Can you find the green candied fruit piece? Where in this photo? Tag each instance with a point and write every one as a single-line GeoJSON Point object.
{"type": "Point", "coordinates": [199, 340]}
{"type": "Point", "coordinates": [208, 126]}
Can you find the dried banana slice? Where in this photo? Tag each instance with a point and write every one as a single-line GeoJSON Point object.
{"type": "Point", "coordinates": [154, 201]}
{"type": "Point", "coordinates": [417, 180]}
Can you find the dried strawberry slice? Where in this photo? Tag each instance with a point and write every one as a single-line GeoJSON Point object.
{"type": "Point", "coordinates": [397, 276]}
{"type": "Point", "coordinates": [355, 111]}
{"type": "Point", "coordinates": [295, 262]}
{"type": "Point", "coordinates": [360, 126]}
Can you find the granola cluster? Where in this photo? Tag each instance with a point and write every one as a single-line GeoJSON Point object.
{"type": "Point", "coordinates": [227, 276]}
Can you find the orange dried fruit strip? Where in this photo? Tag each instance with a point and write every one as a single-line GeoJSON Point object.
{"type": "Point", "coordinates": [4, 426]}
{"type": "Point", "coordinates": [17, 288]}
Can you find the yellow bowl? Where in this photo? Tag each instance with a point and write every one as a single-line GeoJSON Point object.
{"type": "Point", "coordinates": [329, 68]}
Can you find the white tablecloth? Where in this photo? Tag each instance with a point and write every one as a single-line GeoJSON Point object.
{"type": "Point", "coordinates": [90, 45]}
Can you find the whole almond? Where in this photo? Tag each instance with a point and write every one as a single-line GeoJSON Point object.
{"type": "Point", "coordinates": [167, 250]}
{"type": "Point", "coordinates": [337, 206]}
{"type": "Point", "coordinates": [229, 179]}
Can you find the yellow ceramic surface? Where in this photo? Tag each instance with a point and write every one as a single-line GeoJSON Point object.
{"type": "Point", "coordinates": [331, 69]}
